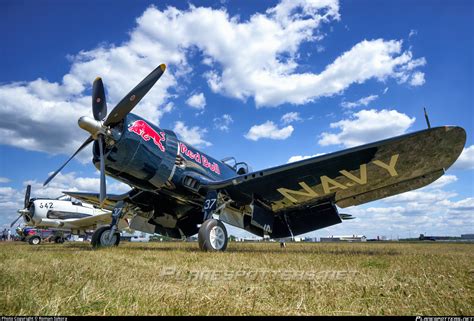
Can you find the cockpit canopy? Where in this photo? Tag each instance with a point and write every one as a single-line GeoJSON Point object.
{"type": "Point", "coordinates": [240, 168]}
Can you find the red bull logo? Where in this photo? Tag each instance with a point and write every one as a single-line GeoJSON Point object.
{"type": "Point", "coordinates": [141, 128]}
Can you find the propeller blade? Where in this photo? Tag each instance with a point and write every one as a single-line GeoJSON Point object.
{"type": "Point", "coordinates": [27, 195]}
{"type": "Point", "coordinates": [13, 223]}
{"type": "Point", "coordinates": [87, 142]}
{"type": "Point", "coordinates": [134, 96]}
{"type": "Point", "coordinates": [99, 105]}
{"type": "Point", "coordinates": [102, 171]}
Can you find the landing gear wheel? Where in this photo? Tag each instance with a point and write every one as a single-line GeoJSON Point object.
{"type": "Point", "coordinates": [100, 238]}
{"type": "Point", "coordinates": [34, 240]}
{"type": "Point", "coordinates": [212, 236]}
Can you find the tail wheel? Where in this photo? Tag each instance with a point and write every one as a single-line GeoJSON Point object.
{"type": "Point", "coordinates": [212, 236]}
{"type": "Point", "coordinates": [34, 240]}
{"type": "Point", "coordinates": [101, 238]}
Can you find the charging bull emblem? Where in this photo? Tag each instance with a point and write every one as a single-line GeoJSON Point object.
{"type": "Point", "coordinates": [141, 128]}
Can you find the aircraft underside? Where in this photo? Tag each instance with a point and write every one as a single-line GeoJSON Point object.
{"type": "Point", "coordinates": [177, 219]}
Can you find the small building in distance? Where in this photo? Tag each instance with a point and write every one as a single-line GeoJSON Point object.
{"type": "Point", "coordinates": [344, 238]}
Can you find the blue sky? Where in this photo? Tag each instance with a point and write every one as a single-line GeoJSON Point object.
{"type": "Point", "coordinates": [264, 81]}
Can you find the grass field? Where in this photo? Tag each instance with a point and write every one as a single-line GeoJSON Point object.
{"type": "Point", "coordinates": [258, 278]}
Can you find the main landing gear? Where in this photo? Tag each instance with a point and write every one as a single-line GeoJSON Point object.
{"type": "Point", "coordinates": [102, 237]}
{"type": "Point", "coordinates": [106, 236]}
{"type": "Point", "coordinates": [212, 236]}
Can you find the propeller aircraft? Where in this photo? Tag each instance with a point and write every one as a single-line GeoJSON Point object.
{"type": "Point", "coordinates": [178, 191]}
{"type": "Point", "coordinates": [63, 214]}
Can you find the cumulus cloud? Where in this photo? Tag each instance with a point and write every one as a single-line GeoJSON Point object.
{"type": "Point", "coordinates": [291, 117]}
{"type": "Point", "coordinates": [42, 115]}
{"type": "Point", "coordinates": [266, 70]}
{"type": "Point", "coordinates": [466, 159]}
{"type": "Point", "coordinates": [269, 130]}
{"type": "Point", "coordinates": [364, 101]}
{"type": "Point", "coordinates": [443, 181]}
{"type": "Point", "coordinates": [193, 135]}
{"type": "Point", "coordinates": [417, 79]}
{"type": "Point", "coordinates": [72, 182]}
{"type": "Point", "coordinates": [197, 101]}
{"type": "Point", "coordinates": [367, 126]}
{"type": "Point", "coordinates": [4, 180]}
{"type": "Point", "coordinates": [222, 123]}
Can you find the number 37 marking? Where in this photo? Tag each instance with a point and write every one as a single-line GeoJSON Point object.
{"type": "Point", "coordinates": [209, 204]}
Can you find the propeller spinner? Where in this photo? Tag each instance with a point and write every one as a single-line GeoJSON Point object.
{"type": "Point", "coordinates": [100, 128]}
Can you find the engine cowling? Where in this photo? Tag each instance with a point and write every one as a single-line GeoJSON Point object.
{"type": "Point", "coordinates": [142, 154]}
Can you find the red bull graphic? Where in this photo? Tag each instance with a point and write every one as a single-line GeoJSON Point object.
{"type": "Point", "coordinates": [141, 128]}
{"type": "Point", "coordinates": [198, 158]}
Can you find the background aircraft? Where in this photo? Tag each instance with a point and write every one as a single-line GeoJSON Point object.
{"type": "Point", "coordinates": [62, 214]}
{"type": "Point", "coordinates": [179, 191]}
{"type": "Point", "coordinates": [35, 236]}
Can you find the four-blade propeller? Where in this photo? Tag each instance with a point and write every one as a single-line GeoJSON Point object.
{"type": "Point", "coordinates": [100, 126]}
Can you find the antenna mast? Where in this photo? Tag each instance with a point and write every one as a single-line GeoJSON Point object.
{"type": "Point", "coordinates": [427, 119]}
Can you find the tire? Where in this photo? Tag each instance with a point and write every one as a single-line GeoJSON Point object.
{"type": "Point", "coordinates": [59, 240]}
{"type": "Point", "coordinates": [34, 240]}
{"type": "Point", "coordinates": [212, 236]}
{"type": "Point", "coordinates": [100, 238]}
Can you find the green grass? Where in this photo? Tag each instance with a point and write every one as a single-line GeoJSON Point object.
{"type": "Point", "coordinates": [302, 279]}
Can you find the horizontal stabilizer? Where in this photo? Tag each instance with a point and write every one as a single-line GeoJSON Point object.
{"type": "Point", "coordinates": [346, 216]}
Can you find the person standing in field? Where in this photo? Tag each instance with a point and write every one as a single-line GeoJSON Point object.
{"type": "Point", "coordinates": [9, 235]}
{"type": "Point", "coordinates": [4, 234]}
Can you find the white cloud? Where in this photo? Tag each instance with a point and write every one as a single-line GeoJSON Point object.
{"type": "Point", "coordinates": [291, 117]}
{"type": "Point", "coordinates": [466, 204]}
{"type": "Point", "coordinates": [4, 180]}
{"type": "Point", "coordinates": [443, 181]}
{"type": "Point", "coordinates": [11, 201]}
{"type": "Point", "coordinates": [42, 115]}
{"type": "Point", "coordinates": [466, 159]}
{"type": "Point", "coordinates": [193, 135]}
{"type": "Point", "coordinates": [269, 130]}
{"type": "Point", "coordinates": [223, 123]}
{"type": "Point", "coordinates": [417, 79]}
{"type": "Point", "coordinates": [364, 101]}
{"type": "Point", "coordinates": [412, 33]}
{"type": "Point", "coordinates": [367, 126]}
{"type": "Point", "coordinates": [266, 69]}
{"type": "Point", "coordinates": [300, 157]}
{"type": "Point", "coordinates": [71, 182]}
{"type": "Point", "coordinates": [197, 101]}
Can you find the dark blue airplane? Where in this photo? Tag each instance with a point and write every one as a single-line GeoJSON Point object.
{"type": "Point", "coordinates": [179, 191]}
